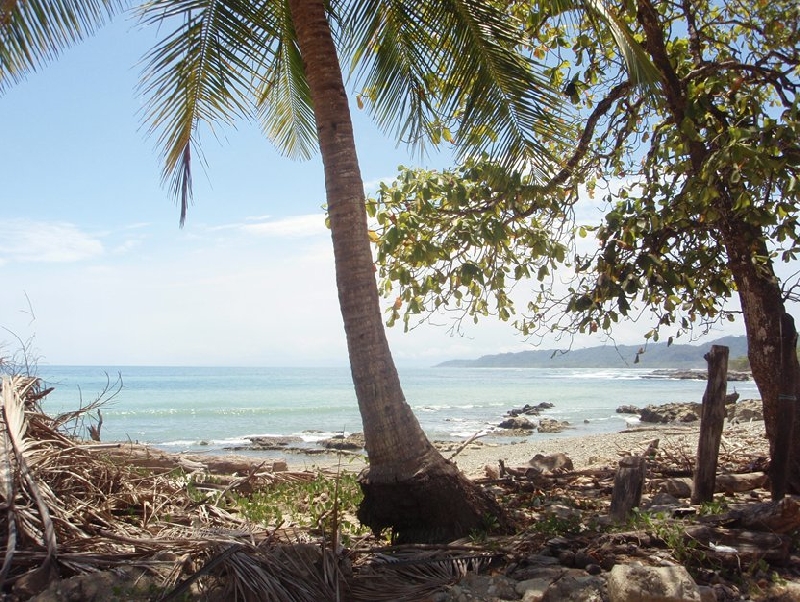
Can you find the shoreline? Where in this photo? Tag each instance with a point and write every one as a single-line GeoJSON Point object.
{"type": "Point", "coordinates": [585, 451]}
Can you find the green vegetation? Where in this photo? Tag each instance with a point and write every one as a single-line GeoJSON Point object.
{"type": "Point", "coordinates": [672, 532]}
{"type": "Point", "coordinates": [318, 504]}
{"type": "Point", "coordinates": [740, 364]}
{"type": "Point", "coordinates": [657, 355]}
{"type": "Point", "coordinates": [462, 238]}
{"type": "Point", "coordinates": [695, 181]}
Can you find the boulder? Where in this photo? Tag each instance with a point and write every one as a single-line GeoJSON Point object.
{"type": "Point", "coordinates": [529, 410]}
{"type": "Point", "coordinates": [629, 583]}
{"type": "Point", "coordinates": [627, 409]}
{"type": "Point", "coordinates": [549, 425]}
{"type": "Point", "coordinates": [671, 412]}
{"type": "Point", "coordinates": [517, 422]}
{"type": "Point", "coordinates": [575, 588]}
{"type": "Point", "coordinates": [745, 411]}
{"type": "Point", "coordinates": [679, 487]}
{"type": "Point", "coordinates": [552, 462]}
{"type": "Point", "coordinates": [353, 441]}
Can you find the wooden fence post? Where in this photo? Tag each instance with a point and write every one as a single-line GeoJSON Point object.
{"type": "Point", "coordinates": [785, 409]}
{"type": "Point", "coordinates": [712, 419]}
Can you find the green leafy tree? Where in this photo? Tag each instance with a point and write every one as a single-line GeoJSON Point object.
{"type": "Point", "coordinates": [699, 178]}
{"type": "Point", "coordinates": [278, 62]}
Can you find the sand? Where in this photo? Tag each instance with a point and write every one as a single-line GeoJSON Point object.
{"type": "Point", "coordinates": [606, 449]}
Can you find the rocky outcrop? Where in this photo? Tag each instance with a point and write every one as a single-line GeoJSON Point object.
{"type": "Point", "coordinates": [671, 412]}
{"type": "Point", "coordinates": [745, 411]}
{"type": "Point", "coordinates": [517, 423]}
{"type": "Point", "coordinates": [529, 410]}
{"type": "Point", "coordinates": [269, 443]}
{"type": "Point", "coordinates": [351, 442]}
{"type": "Point", "coordinates": [549, 425]}
{"type": "Point", "coordinates": [742, 411]}
{"type": "Point", "coordinates": [733, 376]}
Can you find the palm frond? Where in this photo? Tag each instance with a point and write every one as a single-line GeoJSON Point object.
{"type": "Point", "coordinates": [497, 89]}
{"type": "Point", "coordinates": [202, 71]}
{"type": "Point", "coordinates": [293, 572]}
{"type": "Point", "coordinates": [414, 575]}
{"type": "Point", "coordinates": [432, 63]}
{"type": "Point", "coordinates": [393, 53]}
{"type": "Point", "coordinates": [34, 32]}
{"type": "Point", "coordinates": [7, 470]}
{"type": "Point", "coordinates": [285, 109]}
{"type": "Point", "coordinates": [14, 426]}
{"type": "Point", "coordinates": [640, 68]}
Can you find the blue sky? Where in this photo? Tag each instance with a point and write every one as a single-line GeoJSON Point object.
{"type": "Point", "coordinates": [94, 265]}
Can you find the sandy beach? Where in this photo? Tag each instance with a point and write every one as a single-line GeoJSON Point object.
{"type": "Point", "coordinates": [606, 449]}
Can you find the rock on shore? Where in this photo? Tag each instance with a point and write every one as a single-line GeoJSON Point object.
{"type": "Point", "coordinates": [745, 410]}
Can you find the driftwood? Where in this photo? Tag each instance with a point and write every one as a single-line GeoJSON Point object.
{"type": "Point", "coordinates": [94, 431]}
{"type": "Point", "coordinates": [740, 546]}
{"type": "Point", "coordinates": [737, 483]}
{"type": "Point", "coordinates": [711, 421]}
{"type": "Point", "coordinates": [777, 517]}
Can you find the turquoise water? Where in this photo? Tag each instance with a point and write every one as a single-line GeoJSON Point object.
{"type": "Point", "coordinates": [210, 409]}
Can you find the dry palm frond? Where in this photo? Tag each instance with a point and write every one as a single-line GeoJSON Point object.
{"type": "Point", "coordinates": [16, 461]}
{"type": "Point", "coordinates": [280, 572]}
{"type": "Point", "coordinates": [74, 421]}
{"type": "Point", "coordinates": [79, 508]}
{"type": "Point", "coordinates": [7, 493]}
{"type": "Point", "coordinates": [413, 574]}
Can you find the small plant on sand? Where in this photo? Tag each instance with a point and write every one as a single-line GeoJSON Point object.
{"type": "Point", "coordinates": [489, 525]}
{"type": "Point", "coordinates": [685, 550]}
{"type": "Point", "coordinates": [553, 525]}
{"type": "Point", "coordinates": [307, 504]}
{"type": "Point", "coordinates": [716, 506]}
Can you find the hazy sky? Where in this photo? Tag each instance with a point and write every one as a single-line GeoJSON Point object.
{"type": "Point", "coordinates": [91, 239]}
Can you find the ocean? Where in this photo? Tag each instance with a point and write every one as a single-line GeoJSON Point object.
{"type": "Point", "coordinates": [214, 409]}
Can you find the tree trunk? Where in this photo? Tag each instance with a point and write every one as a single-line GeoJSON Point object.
{"type": "Point", "coordinates": [748, 257]}
{"type": "Point", "coordinates": [763, 310]}
{"type": "Point", "coordinates": [408, 486]}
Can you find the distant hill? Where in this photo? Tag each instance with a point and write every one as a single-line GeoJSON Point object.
{"type": "Point", "coordinates": [656, 355]}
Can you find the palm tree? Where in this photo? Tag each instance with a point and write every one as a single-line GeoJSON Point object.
{"type": "Point", "coordinates": [277, 61]}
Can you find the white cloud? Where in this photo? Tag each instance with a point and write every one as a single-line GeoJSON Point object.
{"type": "Point", "coordinates": [29, 241]}
{"type": "Point", "coordinates": [296, 226]}
{"type": "Point", "coordinates": [126, 246]}
{"type": "Point", "coordinates": [138, 226]}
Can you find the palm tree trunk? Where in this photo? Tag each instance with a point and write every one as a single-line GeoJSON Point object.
{"type": "Point", "coordinates": [408, 486]}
